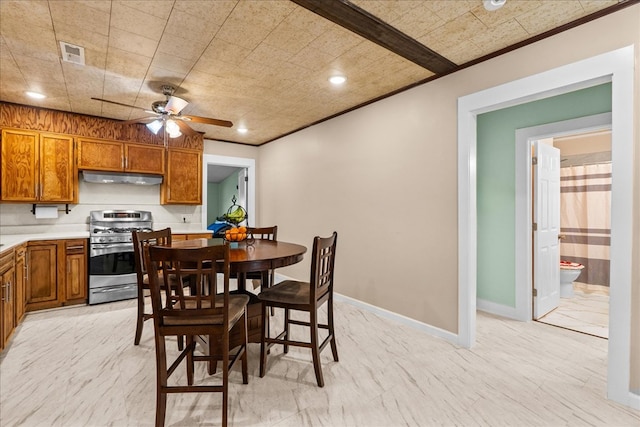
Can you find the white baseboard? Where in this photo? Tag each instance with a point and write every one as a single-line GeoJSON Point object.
{"type": "Point", "coordinates": [497, 309]}
{"type": "Point", "coordinates": [431, 330]}
{"type": "Point", "coordinates": [423, 327]}
{"type": "Point", "coordinates": [634, 399]}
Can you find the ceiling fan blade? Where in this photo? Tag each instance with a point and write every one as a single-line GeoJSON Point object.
{"type": "Point", "coordinates": [208, 121]}
{"type": "Point", "coordinates": [185, 128]}
{"type": "Point", "coordinates": [141, 120]}
{"type": "Point", "coordinates": [118, 103]}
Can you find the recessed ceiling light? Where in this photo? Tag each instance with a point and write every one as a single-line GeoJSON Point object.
{"type": "Point", "coordinates": [492, 5]}
{"type": "Point", "coordinates": [337, 80]}
{"type": "Point", "coordinates": [243, 130]}
{"type": "Point", "coordinates": [36, 95]}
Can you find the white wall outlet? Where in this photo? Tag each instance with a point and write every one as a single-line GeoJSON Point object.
{"type": "Point", "coordinates": [186, 218]}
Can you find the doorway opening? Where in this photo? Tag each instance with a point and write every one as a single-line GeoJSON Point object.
{"type": "Point", "coordinates": [584, 223]}
{"type": "Point", "coordinates": [236, 171]}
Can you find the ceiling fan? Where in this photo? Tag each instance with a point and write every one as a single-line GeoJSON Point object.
{"type": "Point", "coordinates": [167, 114]}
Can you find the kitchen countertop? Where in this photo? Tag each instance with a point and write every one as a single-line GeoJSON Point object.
{"type": "Point", "coordinates": [8, 241]}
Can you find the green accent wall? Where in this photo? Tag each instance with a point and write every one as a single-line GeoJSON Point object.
{"type": "Point", "coordinates": [496, 181]}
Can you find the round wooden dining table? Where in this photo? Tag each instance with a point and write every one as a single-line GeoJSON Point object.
{"type": "Point", "coordinates": [247, 257]}
{"type": "Point", "coordinates": [257, 256]}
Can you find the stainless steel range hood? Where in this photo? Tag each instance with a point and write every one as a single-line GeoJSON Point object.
{"type": "Point", "coordinates": [121, 178]}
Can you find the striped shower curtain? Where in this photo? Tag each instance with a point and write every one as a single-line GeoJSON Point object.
{"type": "Point", "coordinates": [585, 220]}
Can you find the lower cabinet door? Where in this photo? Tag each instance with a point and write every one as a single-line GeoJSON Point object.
{"type": "Point", "coordinates": [8, 297]}
{"type": "Point", "coordinates": [76, 280]}
{"type": "Point", "coordinates": [42, 287]}
{"type": "Point", "coordinates": [20, 285]}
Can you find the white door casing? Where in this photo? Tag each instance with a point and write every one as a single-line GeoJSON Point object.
{"type": "Point", "coordinates": [546, 218]}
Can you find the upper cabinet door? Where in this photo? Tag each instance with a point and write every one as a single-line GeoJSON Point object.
{"type": "Point", "coordinates": [100, 155]}
{"type": "Point", "coordinates": [183, 180]}
{"type": "Point", "coordinates": [144, 158]}
{"type": "Point", "coordinates": [58, 175]}
{"type": "Point", "coordinates": [19, 174]}
{"type": "Point", "coordinates": [37, 167]}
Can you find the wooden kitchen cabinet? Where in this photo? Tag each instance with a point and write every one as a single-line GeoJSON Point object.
{"type": "Point", "coordinates": [183, 180]}
{"type": "Point", "coordinates": [57, 273]}
{"type": "Point", "coordinates": [42, 275]}
{"type": "Point", "coordinates": [38, 275]}
{"type": "Point", "coordinates": [144, 158]}
{"type": "Point", "coordinates": [7, 296]}
{"type": "Point", "coordinates": [37, 167]}
{"type": "Point", "coordinates": [116, 156]}
{"type": "Point", "coordinates": [76, 270]}
{"type": "Point", "coordinates": [21, 282]}
{"type": "Point", "coordinates": [100, 155]}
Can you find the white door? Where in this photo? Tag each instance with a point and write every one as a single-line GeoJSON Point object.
{"type": "Point", "coordinates": [546, 218]}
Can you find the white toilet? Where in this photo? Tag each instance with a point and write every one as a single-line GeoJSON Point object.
{"type": "Point", "coordinates": [569, 272]}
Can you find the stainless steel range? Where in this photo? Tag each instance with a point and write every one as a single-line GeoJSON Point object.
{"type": "Point", "coordinates": [112, 268]}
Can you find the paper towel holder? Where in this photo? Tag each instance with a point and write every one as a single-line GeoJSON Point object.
{"type": "Point", "coordinates": [66, 209]}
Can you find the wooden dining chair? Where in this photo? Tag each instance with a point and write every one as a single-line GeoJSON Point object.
{"type": "Point", "coordinates": [307, 297]}
{"type": "Point", "coordinates": [262, 233]}
{"type": "Point", "coordinates": [142, 239]}
{"type": "Point", "coordinates": [204, 313]}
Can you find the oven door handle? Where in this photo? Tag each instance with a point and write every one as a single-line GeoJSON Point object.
{"type": "Point", "coordinates": [98, 249]}
{"type": "Point", "coordinates": [112, 289]}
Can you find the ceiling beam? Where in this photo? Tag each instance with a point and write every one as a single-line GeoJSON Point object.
{"type": "Point", "coordinates": [361, 22]}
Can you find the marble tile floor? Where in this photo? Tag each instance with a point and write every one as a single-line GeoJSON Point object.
{"type": "Point", "coordinates": [585, 312]}
{"type": "Point", "coordinates": [78, 367]}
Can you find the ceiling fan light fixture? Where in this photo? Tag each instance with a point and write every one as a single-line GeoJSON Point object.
{"type": "Point", "coordinates": [154, 126]}
{"type": "Point", "coordinates": [243, 130]}
{"type": "Point", "coordinates": [175, 105]}
{"type": "Point", "coordinates": [173, 129]}
{"type": "Point", "coordinates": [492, 5]}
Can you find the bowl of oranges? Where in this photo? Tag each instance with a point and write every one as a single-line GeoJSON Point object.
{"type": "Point", "coordinates": [236, 234]}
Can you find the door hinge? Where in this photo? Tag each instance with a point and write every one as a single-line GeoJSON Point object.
{"type": "Point", "coordinates": [535, 292]}
{"type": "Point", "coordinates": [534, 160]}
{"type": "Point", "coordinates": [535, 226]}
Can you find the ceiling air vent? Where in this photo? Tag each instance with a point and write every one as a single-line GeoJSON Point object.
{"type": "Point", "coordinates": [72, 53]}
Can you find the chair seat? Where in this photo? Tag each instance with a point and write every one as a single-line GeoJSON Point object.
{"type": "Point", "coordinates": [237, 303]}
{"type": "Point", "coordinates": [289, 292]}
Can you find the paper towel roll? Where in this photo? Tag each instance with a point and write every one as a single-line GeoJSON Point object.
{"type": "Point", "coordinates": [43, 212]}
